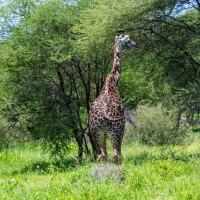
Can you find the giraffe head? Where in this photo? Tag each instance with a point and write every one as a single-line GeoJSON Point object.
{"type": "Point", "coordinates": [124, 41]}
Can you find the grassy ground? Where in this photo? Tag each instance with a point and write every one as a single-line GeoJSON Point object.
{"type": "Point", "coordinates": [147, 173]}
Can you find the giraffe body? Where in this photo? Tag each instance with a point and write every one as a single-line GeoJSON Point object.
{"type": "Point", "coordinates": [107, 112]}
{"type": "Point", "coordinates": [107, 120]}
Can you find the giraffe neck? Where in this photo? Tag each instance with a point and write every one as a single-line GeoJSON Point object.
{"type": "Point", "coordinates": [113, 77]}
{"type": "Point", "coordinates": [116, 63]}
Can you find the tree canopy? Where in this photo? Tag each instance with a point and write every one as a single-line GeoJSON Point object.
{"type": "Point", "coordinates": [55, 56]}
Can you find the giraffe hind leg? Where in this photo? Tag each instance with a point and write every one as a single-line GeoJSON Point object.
{"type": "Point", "coordinates": [116, 140]}
{"type": "Point", "coordinates": [99, 139]}
{"type": "Point", "coordinates": [102, 146]}
{"type": "Point", "coordinates": [117, 152]}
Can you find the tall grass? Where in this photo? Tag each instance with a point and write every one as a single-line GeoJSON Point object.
{"type": "Point", "coordinates": [146, 173]}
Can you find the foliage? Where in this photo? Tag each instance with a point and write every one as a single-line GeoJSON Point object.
{"type": "Point", "coordinates": [55, 56]}
{"type": "Point", "coordinates": [42, 80]}
{"type": "Point", "coordinates": [148, 173]}
{"type": "Point", "coordinates": [159, 126]}
{"type": "Point", "coordinates": [34, 75]}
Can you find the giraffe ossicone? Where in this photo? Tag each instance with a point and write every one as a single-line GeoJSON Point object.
{"type": "Point", "coordinates": [107, 112]}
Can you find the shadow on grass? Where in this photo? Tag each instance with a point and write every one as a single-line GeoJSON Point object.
{"type": "Point", "coordinates": [148, 157]}
{"type": "Point", "coordinates": [44, 167]}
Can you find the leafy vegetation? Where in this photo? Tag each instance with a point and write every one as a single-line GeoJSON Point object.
{"type": "Point", "coordinates": [147, 173]}
{"type": "Point", "coordinates": [55, 55]}
{"type": "Point", "coordinates": [159, 126]}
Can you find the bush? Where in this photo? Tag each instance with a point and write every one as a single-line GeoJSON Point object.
{"type": "Point", "coordinates": [158, 126]}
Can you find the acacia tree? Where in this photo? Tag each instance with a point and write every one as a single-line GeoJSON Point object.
{"type": "Point", "coordinates": [58, 54]}
{"type": "Point", "coordinates": [42, 77]}
{"type": "Point", "coordinates": [170, 33]}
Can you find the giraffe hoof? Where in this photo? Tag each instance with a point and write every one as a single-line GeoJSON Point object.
{"type": "Point", "coordinates": [102, 158]}
{"type": "Point", "coordinates": [117, 160]}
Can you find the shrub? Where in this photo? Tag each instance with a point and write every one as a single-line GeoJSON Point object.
{"type": "Point", "coordinates": [158, 126]}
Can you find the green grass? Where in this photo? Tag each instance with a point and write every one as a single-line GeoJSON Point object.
{"type": "Point", "coordinates": [147, 173]}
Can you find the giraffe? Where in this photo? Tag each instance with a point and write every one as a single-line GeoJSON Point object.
{"type": "Point", "coordinates": [107, 113]}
